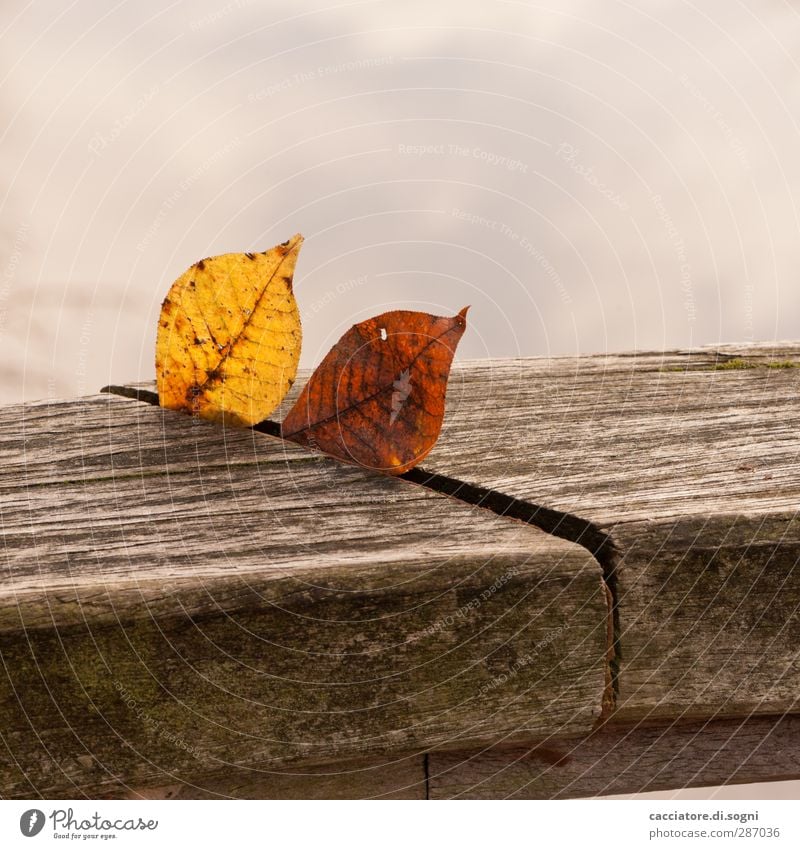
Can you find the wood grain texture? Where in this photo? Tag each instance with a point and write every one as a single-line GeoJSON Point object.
{"type": "Point", "coordinates": [630, 438]}
{"type": "Point", "coordinates": [708, 616]}
{"type": "Point", "coordinates": [182, 600]}
{"type": "Point", "coordinates": [161, 626]}
{"type": "Point", "coordinates": [689, 464]}
{"type": "Point", "coordinates": [404, 778]}
{"type": "Point", "coordinates": [625, 760]}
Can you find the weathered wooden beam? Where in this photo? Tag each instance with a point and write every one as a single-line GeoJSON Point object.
{"type": "Point", "coordinates": [625, 760]}
{"type": "Point", "coordinates": [182, 602]}
{"type": "Point", "coordinates": [139, 548]}
{"type": "Point", "coordinates": [687, 465]}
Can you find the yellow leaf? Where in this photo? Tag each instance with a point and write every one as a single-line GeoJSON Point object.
{"type": "Point", "coordinates": [229, 336]}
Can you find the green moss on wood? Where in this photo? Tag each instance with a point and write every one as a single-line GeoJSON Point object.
{"type": "Point", "coordinates": [784, 364]}
{"type": "Point", "coordinates": [736, 364]}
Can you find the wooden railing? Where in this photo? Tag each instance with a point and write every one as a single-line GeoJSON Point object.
{"type": "Point", "coordinates": [591, 587]}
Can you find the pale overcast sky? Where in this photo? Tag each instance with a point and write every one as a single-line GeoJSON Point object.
{"type": "Point", "coordinates": [588, 175]}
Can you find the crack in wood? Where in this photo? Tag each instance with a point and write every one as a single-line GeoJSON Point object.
{"type": "Point", "coordinates": [133, 392]}
{"type": "Point", "coordinates": [557, 523]}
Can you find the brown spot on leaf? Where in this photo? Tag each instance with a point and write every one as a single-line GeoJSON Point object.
{"type": "Point", "coordinates": [207, 296]}
{"type": "Point", "coordinates": [194, 392]}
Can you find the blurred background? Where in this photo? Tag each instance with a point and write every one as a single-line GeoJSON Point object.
{"type": "Point", "coordinates": [590, 176]}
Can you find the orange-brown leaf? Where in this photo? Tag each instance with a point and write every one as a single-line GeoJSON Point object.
{"type": "Point", "coordinates": [377, 399]}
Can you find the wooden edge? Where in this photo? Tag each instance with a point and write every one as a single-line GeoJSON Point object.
{"type": "Point", "coordinates": [618, 760]}
{"type": "Point", "coordinates": [398, 778]}
{"type": "Point", "coordinates": [611, 761]}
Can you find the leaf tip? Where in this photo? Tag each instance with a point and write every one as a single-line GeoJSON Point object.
{"type": "Point", "coordinates": [292, 244]}
{"type": "Point", "coordinates": [463, 314]}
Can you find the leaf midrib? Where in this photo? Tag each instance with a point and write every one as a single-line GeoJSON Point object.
{"type": "Point", "coordinates": [366, 398]}
{"type": "Point", "coordinates": [209, 381]}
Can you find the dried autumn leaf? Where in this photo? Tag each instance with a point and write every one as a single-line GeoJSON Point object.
{"type": "Point", "coordinates": [229, 336]}
{"type": "Point", "coordinates": [377, 399]}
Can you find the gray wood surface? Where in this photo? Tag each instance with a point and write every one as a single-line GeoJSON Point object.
{"type": "Point", "coordinates": [688, 465]}
{"type": "Point", "coordinates": [708, 616]}
{"type": "Point", "coordinates": [183, 602]}
{"type": "Point", "coordinates": [622, 438]}
{"type": "Point", "coordinates": [625, 760]}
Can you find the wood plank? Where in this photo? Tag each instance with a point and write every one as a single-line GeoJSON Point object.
{"type": "Point", "coordinates": [625, 760]}
{"type": "Point", "coordinates": [626, 437]}
{"type": "Point", "coordinates": [629, 438]}
{"type": "Point", "coordinates": [180, 600]}
{"type": "Point", "coordinates": [688, 464]}
{"type": "Point", "coordinates": [403, 778]}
